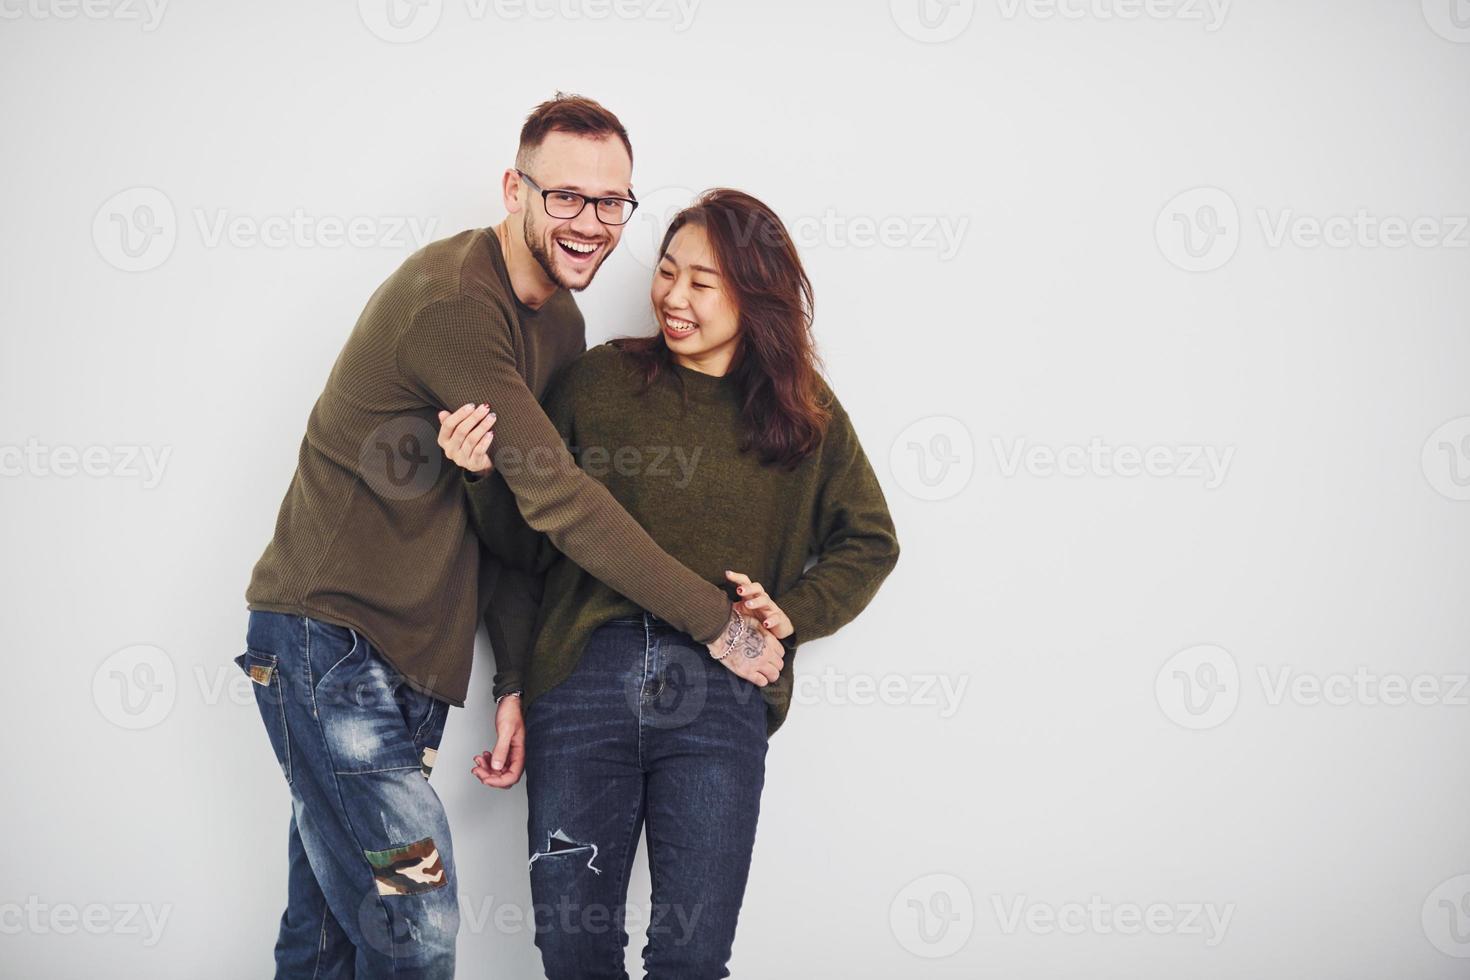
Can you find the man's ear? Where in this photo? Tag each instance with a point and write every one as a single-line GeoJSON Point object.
{"type": "Point", "coordinates": [510, 191]}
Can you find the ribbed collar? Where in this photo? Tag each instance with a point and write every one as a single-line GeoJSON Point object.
{"type": "Point", "coordinates": [699, 383]}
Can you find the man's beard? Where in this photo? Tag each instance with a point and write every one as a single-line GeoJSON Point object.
{"type": "Point", "coordinates": [543, 258]}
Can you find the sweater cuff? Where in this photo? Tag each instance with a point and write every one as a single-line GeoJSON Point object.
{"type": "Point", "coordinates": [712, 627]}
{"type": "Point", "coordinates": [508, 682]}
{"type": "Point", "coordinates": [801, 609]}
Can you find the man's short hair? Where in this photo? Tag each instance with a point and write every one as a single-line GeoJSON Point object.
{"type": "Point", "coordinates": [566, 113]}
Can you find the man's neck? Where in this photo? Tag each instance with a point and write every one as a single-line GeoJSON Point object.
{"type": "Point", "coordinates": [527, 278]}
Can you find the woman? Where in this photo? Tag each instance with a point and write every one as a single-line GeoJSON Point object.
{"type": "Point", "coordinates": [719, 436]}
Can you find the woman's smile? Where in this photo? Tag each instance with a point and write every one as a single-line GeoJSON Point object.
{"type": "Point", "coordinates": [677, 328]}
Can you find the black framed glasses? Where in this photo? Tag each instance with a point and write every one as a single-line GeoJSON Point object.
{"type": "Point", "coordinates": [568, 204]}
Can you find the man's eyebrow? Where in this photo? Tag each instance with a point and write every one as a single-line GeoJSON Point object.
{"type": "Point", "coordinates": [628, 192]}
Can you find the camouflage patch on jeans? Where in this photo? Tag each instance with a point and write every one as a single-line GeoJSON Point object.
{"type": "Point", "coordinates": [408, 870]}
{"type": "Point", "coordinates": [426, 764]}
{"type": "Point", "coordinates": [261, 674]}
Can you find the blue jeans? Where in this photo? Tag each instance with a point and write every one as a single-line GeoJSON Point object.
{"type": "Point", "coordinates": [647, 729]}
{"type": "Point", "coordinates": [371, 890]}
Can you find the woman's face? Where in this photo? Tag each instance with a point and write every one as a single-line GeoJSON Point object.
{"type": "Point", "coordinates": [694, 309]}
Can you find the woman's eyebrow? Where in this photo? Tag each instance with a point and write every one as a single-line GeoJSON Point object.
{"type": "Point", "coordinates": [697, 268]}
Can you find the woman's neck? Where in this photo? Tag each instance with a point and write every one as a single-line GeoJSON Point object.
{"type": "Point", "coordinates": [715, 362]}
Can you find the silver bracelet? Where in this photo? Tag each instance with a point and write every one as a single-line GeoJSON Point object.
{"type": "Point", "coordinates": [507, 694]}
{"type": "Point", "coordinates": [736, 637]}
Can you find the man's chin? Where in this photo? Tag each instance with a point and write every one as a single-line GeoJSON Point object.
{"type": "Point", "coordinates": [575, 280]}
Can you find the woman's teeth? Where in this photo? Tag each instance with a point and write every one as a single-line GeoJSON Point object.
{"type": "Point", "coordinates": [678, 326]}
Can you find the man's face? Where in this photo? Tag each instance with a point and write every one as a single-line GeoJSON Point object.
{"type": "Point", "coordinates": [570, 250]}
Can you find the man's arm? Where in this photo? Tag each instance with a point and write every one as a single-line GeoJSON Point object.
{"type": "Point", "coordinates": [458, 352]}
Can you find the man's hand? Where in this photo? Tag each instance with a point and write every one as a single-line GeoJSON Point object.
{"type": "Point", "coordinates": [756, 655]}
{"type": "Point", "coordinates": [501, 768]}
{"type": "Point", "coordinates": [465, 437]}
{"type": "Point", "coordinates": [755, 602]}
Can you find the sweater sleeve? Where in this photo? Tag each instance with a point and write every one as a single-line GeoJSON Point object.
{"type": "Point", "coordinates": [504, 532]}
{"type": "Point", "coordinates": [510, 622]}
{"type": "Point", "coordinates": [459, 351]}
{"type": "Point", "coordinates": [493, 509]}
{"type": "Point", "coordinates": [854, 540]}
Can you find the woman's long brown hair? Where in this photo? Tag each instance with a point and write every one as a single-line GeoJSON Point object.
{"type": "Point", "coordinates": [784, 413]}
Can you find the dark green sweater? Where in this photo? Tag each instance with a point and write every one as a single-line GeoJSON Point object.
{"type": "Point", "coordinates": [678, 471]}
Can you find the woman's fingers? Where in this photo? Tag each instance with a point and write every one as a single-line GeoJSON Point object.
{"type": "Point", "coordinates": [449, 422]}
{"type": "Point", "coordinates": [480, 459]}
{"type": "Point", "coordinates": [764, 608]}
{"type": "Point", "coordinates": [468, 423]}
{"type": "Point", "coordinates": [465, 436]}
{"type": "Point", "coordinates": [760, 606]}
{"type": "Point", "coordinates": [770, 615]}
{"type": "Point", "coordinates": [486, 423]}
{"type": "Point", "coordinates": [750, 590]}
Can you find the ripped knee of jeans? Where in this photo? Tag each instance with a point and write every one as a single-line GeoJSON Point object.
{"type": "Point", "coordinates": [562, 847]}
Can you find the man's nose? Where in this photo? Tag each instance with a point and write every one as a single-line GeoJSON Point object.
{"type": "Point", "coordinates": [586, 223]}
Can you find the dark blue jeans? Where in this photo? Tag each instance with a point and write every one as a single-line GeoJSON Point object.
{"type": "Point", "coordinates": [371, 890]}
{"type": "Point", "coordinates": [647, 730]}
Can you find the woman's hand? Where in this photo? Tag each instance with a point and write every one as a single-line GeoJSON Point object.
{"type": "Point", "coordinates": [755, 602]}
{"type": "Point", "coordinates": [501, 767]}
{"type": "Point", "coordinates": [465, 437]}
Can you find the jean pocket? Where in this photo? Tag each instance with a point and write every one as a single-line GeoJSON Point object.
{"type": "Point", "coordinates": [264, 672]}
{"type": "Point", "coordinates": [430, 728]}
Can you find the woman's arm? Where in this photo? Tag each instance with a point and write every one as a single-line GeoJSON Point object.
{"type": "Point", "coordinates": [514, 598]}
{"type": "Point", "coordinates": [503, 531]}
{"type": "Point", "coordinates": [854, 540]}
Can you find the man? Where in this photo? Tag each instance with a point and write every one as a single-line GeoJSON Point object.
{"type": "Point", "coordinates": [364, 604]}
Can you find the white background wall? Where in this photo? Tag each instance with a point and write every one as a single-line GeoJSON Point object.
{"type": "Point", "coordinates": [1134, 657]}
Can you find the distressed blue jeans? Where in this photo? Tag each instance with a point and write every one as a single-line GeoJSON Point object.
{"type": "Point", "coordinates": [371, 890]}
{"type": "Point", "coordinates": [648, 730]}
